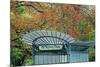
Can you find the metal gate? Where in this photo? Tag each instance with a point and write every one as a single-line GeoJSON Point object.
{"type": "Point", "coordinates": [50, 59]}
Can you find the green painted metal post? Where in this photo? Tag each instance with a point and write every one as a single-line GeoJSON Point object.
{"type": "Point", "coordinates": [33, 55]}
{"type": "Point", "coordinates": [68, 51]}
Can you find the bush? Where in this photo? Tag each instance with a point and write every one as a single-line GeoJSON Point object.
{"type": "Point", "coordinates": [16, 57]}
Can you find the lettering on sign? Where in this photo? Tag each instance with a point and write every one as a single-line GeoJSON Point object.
{"type": "Point", "coordinates": [50, 47]}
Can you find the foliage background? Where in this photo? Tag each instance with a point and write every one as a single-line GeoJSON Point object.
{"type": "Point", "coordinates": [76, 20]}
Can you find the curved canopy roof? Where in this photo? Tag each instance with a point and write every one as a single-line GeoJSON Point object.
{"type": "Point", "coordinates": [47, 37]}
{"type": "Point", "coordinates": [44, 37]}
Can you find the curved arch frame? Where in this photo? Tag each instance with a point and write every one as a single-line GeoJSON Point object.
{"type": "Point", "coordinates": [67, 46]}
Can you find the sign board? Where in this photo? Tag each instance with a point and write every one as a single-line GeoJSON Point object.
{"type": "Point", "coordinates": [50, 47]}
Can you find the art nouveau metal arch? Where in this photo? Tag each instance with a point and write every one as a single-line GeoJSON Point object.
{"type": "Point", "coordinates": [50, 38]}
{"type": "Point", "coordinates": [33, 36]}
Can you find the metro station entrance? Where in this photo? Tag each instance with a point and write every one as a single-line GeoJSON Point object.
{"type": "Point", "coordinates": [50, 47]}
